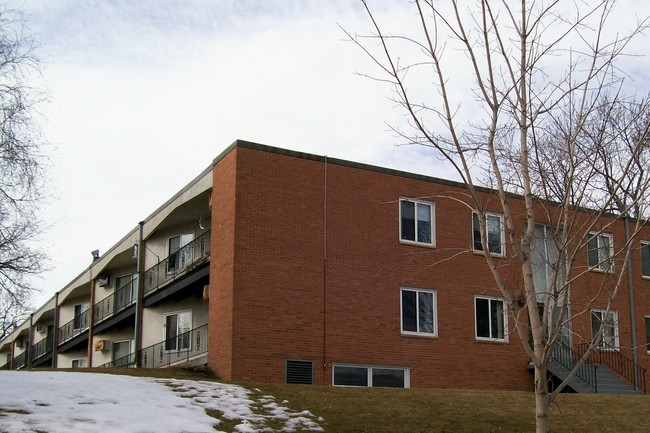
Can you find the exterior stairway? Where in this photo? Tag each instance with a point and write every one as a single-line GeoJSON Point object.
{"type": "Point", "coordinates": [605, 372]}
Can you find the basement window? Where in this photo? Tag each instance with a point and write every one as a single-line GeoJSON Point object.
{"type": "Point", "coordinates": [375, 376]}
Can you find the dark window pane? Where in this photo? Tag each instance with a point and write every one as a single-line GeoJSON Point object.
{"type": "Point", "coordinates": [409, 316]}
{"type": "Point", "coordinates": [482, 318]}
{"type": "Point", "coordinates": [171, 331]}
{"type": "Point", "coordinates": [350, 376]}
{"type": "Point", "coordinates": [477, 233]}
{"type": "Point", "coordinates": [388, 377]}
{"type": "Point", "coordinates": [645, 259]}
{"type": "Point", "coordinates": [647, 332]}
{"type": "Point", "coordinates": [407, 213]}
{"type": "Point", "coordinates": [496, 316]}
{"type": "Point", "coordinates": [424, 223]}
{"type": "Point", "coordinates": [596, 319]}
{"type": "Point", "coordinates": [425, 308]}
{"type": "Point", "coordinates": [592, 246]}
{"type": "Point", "coordinates": [494, 233]}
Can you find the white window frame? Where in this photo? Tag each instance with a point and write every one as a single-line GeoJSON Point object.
{"type": "Point", "coordinates": [647, 333]}
{"type": "Point", "coordinates": [505, 319]}
{"type": "Point", "coordinates": [165, 337]}
{"type": "Point", "coordinates": [432, 216]}
{"type": "Point", "coordinates": [644, 245]}
{"type": "Point", "coordinates": [602, 265]}
{"type": "Point", "coordinates": [502, 233]}
{"type": "Point", "coordinates": [369, 368]}
{"type": "Point", "coordinates": [178, 266]}
{"type": "Point", "coordinates": [75, 322]}
{"type": "Point", "coordinates": [614, 319]}
{"type": "Point", "coordinates": [80, 361]}
{"type": "Point", "coordinates": [417, 311]}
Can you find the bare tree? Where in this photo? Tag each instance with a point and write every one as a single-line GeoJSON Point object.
{"type": "Point", "coordinates": [13, 311]}
{"type": "Point", "coordinates": [20, 163]}
{"type": "Point", "coordinates": [540, 116]}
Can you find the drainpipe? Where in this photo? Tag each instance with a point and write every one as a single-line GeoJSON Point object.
{"type": "Point", "coordinates": [137, 331]}
{"type": "Point", "coordinates": [325, 381]}
{"type": "Point", "coordinates": [55, 337]}
{"type": "Point", "coordinates": [28, 350]}
{"type": "Point", "coordinates": [630, 290]}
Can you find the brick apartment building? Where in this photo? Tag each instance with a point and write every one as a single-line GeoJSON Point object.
{"type": "Point", "coordinates": [308, 269]}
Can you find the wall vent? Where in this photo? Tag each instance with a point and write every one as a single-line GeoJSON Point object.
{"type": "Point", "coordinates": [299, 372]}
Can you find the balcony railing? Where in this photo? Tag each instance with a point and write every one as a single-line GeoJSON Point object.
{"type": "Point", "coordinates": [20, 361]}
{"type": "Point", "coordinates": [176, 350]}
{"type": "Point", "coordinates": [117, 301]}
{"type": "Point", "coordinates": [42, 348]}
{"type": "Point", "coordinates": [74, 327]}
{"type": "Point", "coordinates": [177, 264]}
{"type": "Point", "coordinates": [619, 363]}
{"type": "Point", "coordinates": [125, 361]}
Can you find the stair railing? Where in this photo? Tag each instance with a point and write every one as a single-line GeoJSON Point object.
{"type": "Point", "coordinates": [568, 358]}
{"type": "Point", "coordinates": [617, 362]}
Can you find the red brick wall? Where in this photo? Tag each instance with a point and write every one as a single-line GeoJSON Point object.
{"type": "Point", "coordinates": [278, 298]}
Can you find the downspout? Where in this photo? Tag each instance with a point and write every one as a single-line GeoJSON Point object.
{"type": "Point", "coordinates": [91, 319]}
{"type": "Point", "coordinates": [28, 350]}
{"type": "Point", "coordinates": [137, 331]}
{"type": "Point", "coordinates": [55, 337]}
{"type": "Point", "coordinates": [325, 382]}
{"type": "Point", "coordinates": [630, 289]}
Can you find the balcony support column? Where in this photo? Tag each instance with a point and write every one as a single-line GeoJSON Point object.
{"type": "Point", "coordinates": [91, 319]}
{"type": "Point", "coordinates": [55, 337]}
{"type": "Point", "coordinates": [137, 326]}
{"type": "Point", "coordinates": [28, 350]}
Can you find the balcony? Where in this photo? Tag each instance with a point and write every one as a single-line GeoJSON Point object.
{"type": "Point", "coordinates": [42, 348]}
{"type": "Point", "coordinates": [20, 361]}
{"type": "Point", "coordinates": [116, 302]}
{"type": "Point", "coordinates": [178, 264]}
{"type": "Point", "coordinates": [75, 327]}
{"type": "Point", "coordinates": [176, 350]}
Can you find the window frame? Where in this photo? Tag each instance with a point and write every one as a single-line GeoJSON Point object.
{"type": "Point", "coordinates": [434, 307]}
{"type": "Point", "coordinates": [432, 222]}
{"type": "Point", "coordinates": [601, 266]}
{"type": "Point", "coordinates": [647, 333]}
{"type": "Point", "coordinates": [369, 374]}
{"type": "Point", "coordinates": [502, 233]}
{"type": "Point", "coordinates": [602, 345]}
{"type": "Point", "coordinates": [491, 299]}
{"type": "Point", "coordinates": [79, 361]}
{"type": "Point", "coordinates": [645, 245]}
{"type": "Point", "coordinates": [166, 338]}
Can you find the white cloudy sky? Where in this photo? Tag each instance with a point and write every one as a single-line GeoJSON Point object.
{"type": "Point", "coordinates": [142, 95]}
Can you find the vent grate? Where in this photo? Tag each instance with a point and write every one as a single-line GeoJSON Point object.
{"type": "Point", "coordinates": [299, 372]}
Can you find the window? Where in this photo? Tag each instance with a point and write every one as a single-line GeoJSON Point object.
{"type": "Point", "coordinates": [81, 315]}
{"type": "Point", "coordinates": [609, 322]}
{"type": "Point", "coordinates": [122, 355]}
{"type": "Point", "coordinates": [645, 259]}
{"type": "Point", "coordinates": [647, 333]}
{"type": "Point", "coordinates": [80, 363]}
{"type": "Point", "coordinates": [600, 251]}
{"type": "Point", "coordinates": [357, 375]}
{"type": "Point", "coordinates": [491, 319]}
{"type": "Point", "coordinates": [494, 230]}
{"type": "Point", "coordinates": [179, 253]}
{"type": "Point", "coordinates": [125, 287]}
{"type": "Point", "coordinates": [416, 222]}
{"type": "Point", "coordinates": [177, 331]}
{"type": "Point", "coordinates": [418, 309]}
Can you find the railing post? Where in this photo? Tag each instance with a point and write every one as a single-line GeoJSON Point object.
{"type": "Point", "coordinates": [596, 378]}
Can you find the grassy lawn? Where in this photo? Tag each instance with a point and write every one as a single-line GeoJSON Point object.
{"type": "Point", "coordinates": [382, 410]}
{"type": "Point", "coordinates": [354, 410]}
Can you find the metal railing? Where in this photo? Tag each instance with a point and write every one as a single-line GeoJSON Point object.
{"type": "Point", "coordinates": [74, 327]}
{"type": "Point", "coordinates": [125, 361]}
{"type": "Point", "coordinates": [617, 362]}
{"type": "Point", "coordinates": [117, 301]}
{"type": "Point", "coordinates": [43, 347]}
{"type": "Point", "coordinates": [20, 361]}
{"type": "Point", "coordinates": [568, 358]}
{"type": "Point", "coordinates": [176, 350]}
{"type": "Point", "coordinates": [178, 263]}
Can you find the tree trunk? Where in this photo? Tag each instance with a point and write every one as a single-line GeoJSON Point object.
{"type": "Point", "coordinates": [541, 401]}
